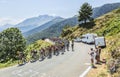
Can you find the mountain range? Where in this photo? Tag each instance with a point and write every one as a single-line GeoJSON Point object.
{"type": "Point", "coordinates": [51, 26]}
{"type": "Point", "coordinates": [54, 30]}
{"type": "Point", "coordinates": [99, 11]}
{"type": "Point", "coordinates": [44, 26]}
{"type": "Point", "coordinates": [34, 22]}
{"type": "Point", "coordinates": [31, 23]}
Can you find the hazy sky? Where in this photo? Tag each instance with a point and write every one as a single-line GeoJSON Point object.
{"type": "Point", "coordinates": [13, 11]}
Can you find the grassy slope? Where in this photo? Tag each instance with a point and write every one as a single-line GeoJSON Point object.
{"type": "Point", "coordinates": [109, 26]}
{"type": "Point", "coordinates": [8, 64]}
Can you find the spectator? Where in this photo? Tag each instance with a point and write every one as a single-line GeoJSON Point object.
{"type": "Point", "coordinates": [72, 45]}
{"type": "Point", "coordinates": [92, 55]}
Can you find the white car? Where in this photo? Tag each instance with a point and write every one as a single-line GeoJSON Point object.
{"type": "Point", "coordinates": [89, 38]}
{"type": "Point", "coordinates": [77, 40]}
{"type": "Point", "coordinates": [84, 40]}
{"type": "Point", "coordinates": [100, 41]}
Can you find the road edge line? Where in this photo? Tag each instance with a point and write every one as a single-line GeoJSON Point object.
{"type": "Point", "coordinates": [85, 72]}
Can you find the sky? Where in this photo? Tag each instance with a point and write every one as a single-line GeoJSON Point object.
{"type": "Point", "coordinates": [15, 11]}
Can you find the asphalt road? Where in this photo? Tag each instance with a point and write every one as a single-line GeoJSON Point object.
{"type": "Point", "coordinates": [70, 64]}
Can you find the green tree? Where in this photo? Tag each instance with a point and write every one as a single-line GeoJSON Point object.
{"type": "Point", "coordinates": [11, 41]}
{"type": "Point", "coordinates": [85, 13]}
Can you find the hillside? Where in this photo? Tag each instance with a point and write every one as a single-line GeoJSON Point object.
{"type": "Point", "coordinates": [42, 27]}
{"type": "Point", "coordinates": [52, 31]}
{"type": "Point", "coordinates": [107, 25]}
{"type": "Point", "coordinates": [99, 11]}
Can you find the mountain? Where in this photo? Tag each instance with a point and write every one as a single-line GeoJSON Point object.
{"type": "Point", "coordinates": [5, 27]}
{"type": "Point", "coordinates": [54, 30]}
{"type": "Point", "coordinates": [44, 26]}
{"type": "Point", "coordinates": [99, 11]}
{"type": "Point", "coordinates": [34, 22]}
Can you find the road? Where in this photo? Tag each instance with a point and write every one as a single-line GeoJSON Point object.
{"type": "Point", "coordinates": [70, 64]}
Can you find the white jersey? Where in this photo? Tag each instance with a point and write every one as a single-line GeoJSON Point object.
{"type": "Point", "coordinates": [92, 54]}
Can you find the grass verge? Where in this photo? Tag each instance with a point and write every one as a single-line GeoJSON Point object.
{"type": "Point", "coordinates": [7, 64]}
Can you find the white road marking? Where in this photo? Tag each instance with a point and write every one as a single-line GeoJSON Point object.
{"type": "Point", "coordinates": [85, 72]}
{"type": "Point", "coordinates": [22, 73]}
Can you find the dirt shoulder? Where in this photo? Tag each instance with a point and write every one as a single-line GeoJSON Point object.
{"type": "Point", "coordinates": [101, 70]}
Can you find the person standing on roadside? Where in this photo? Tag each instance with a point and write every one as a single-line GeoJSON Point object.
{"type": "Point", "coordinates": [97, 56]}
{"type": "Point", "coordinates": [72, 45]}
{"type": "Point", "coordinates": [92, 56]}
{"type": "Point", "coordinates": [99, 53]}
